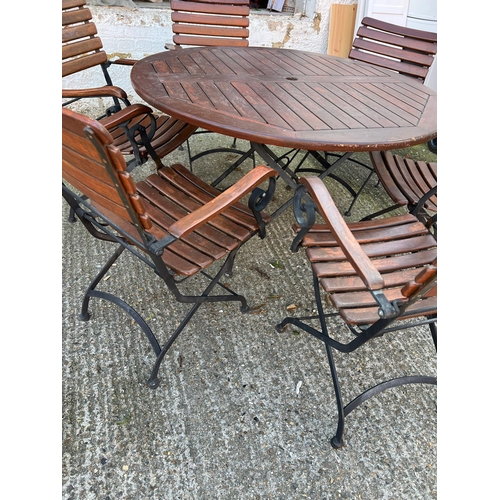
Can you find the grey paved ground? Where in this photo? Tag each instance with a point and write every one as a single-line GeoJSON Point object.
{"type": "Point", "coordinates": [242, 412]}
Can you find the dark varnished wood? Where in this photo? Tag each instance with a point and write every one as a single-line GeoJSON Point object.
{"type": "Point", "coordinates": [173, 201]}
{"type": "Point", "coordinates": [210, 22]}
{"type": "Point", "coordinates": [289, 98]}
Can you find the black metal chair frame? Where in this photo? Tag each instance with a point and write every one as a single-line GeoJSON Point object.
{"type": "Point", "coordinates": [305, 214]}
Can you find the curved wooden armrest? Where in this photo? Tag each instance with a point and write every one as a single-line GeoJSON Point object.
{"type": "Point", "coordinates": [229, 197]}
{"type": "Point", "coordinates": [107, 91]}
{"type": "Point", "coordinates": [352, 249]}
{"type": "Point", "coordinates": [124, 62]}
{"type": "Point", "coordinates": [124, 115]}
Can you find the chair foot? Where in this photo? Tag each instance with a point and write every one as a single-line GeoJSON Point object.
{"type": "Point", "coordinates": [336, 442]}
{"type": "Point", "coordinates": [84, 316]}
{"type": "Point", "coordinates": [71, 216]}
{"type": "Point", "coordinates": [281, 327]}
{"type": "Point", "coordinates": [153, 383]}
{"type": "Point", "coordinates": [245, 308]}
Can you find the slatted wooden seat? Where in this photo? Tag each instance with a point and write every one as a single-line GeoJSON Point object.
{"type": "Point", "coordinates": [172, 221]}
{"type": "Point", "coordinates": [405, 50]}
{"type": "Point", "coordinates": [379, 275]}
{"type": "Point", "coordinates": [405, 180]}
{"type": "Point", "coordinates": [210, 22]}
{"type": "Point", "coordinates": [82, 50]}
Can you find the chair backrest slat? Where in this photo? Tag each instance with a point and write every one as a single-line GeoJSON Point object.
{"type": "Point", "coordinates": [188, 18]}
{"type": "Point", "coordinates": [95, 167]}
{"type": "Point", "coordinates": [76, 16]}
{"type": "Point", "coordinates": [85, 46]}
{"type": "Point", "coordinates": [405, 50]}
{"type": "Point", "coordinates": [210, 22]}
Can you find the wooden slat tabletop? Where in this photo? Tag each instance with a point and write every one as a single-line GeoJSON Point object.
{"type": "Point", "coordinates": [289, 98]}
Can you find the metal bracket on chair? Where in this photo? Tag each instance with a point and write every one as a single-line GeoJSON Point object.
{"type": "Point", "coordinates": [387, 309]}
{"type": "Point", "coordinates": [305, 215]}
{"type": "Point", "coordinates": [157, 247]}
{"type": "Point", "coordinates": [259, 200]}
{"type": "Point", "coordinates": [145, 140]}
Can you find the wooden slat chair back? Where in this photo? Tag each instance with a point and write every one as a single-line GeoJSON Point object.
{"type": "Point", "coordinates": [379, 275]}
{"type": "Point", "coordinates": [210, 22]}
{"type": "Point", "coordinates": [405, 50]}
{"type": "Point", "coordinates": [172, 220]}
{"type": "Point", "coordinates": [406, 181]}
{"type": "Point", "coordinates": [82, 50]}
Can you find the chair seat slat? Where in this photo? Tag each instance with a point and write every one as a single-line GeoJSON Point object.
{"type": "Point", "coordinates": [185, 201]}
{"type": "Point", "coordinates": [367, 236]}
{"type": "Point", "coordinates": [323, 269]}
{"type": "Point", "coordinates": [354, 283]}
{"type": "Point", "coordinates": [175, 212]}
{"type": "Point", "coordinates": [193, 187]}
{"type": "Point", "coordinates": [327, 254]}
{"type": "Point", "coordinates": [367, 316]}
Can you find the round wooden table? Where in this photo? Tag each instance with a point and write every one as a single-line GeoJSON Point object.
{"type": "Point", "coordinates": [289, 98]}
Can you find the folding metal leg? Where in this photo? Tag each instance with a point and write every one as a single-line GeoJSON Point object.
{"type": "Point", "coordinates": [343, 411]}
{"type": "Point", "coordinates": [91, 292]}
{"type": "Point", "coordinates": [153, 379]}
{"type": "Point", "coordinates": [197, 301]}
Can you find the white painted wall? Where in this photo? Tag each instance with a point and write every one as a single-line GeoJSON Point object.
{"type": "Point", "coordinates": [137, 33]}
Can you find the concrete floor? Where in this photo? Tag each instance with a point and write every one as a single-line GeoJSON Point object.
{"type": "Point", "coordinates": [241, 412]}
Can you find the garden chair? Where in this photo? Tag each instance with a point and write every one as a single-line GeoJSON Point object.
{"type": "Point", "coordinates": [222, 23]}
{"type": "Point", "coordinates": [172, 221]}
{"type": "Point", "coordinates": [404, 50]}
{"type": "Point", "coordinates": [380, 275]}
{"type": "Point", "coordinates": [143, 135]}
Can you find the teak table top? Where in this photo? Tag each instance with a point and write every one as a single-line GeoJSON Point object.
{"type": "Point", "coordinates": [289, 98]}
